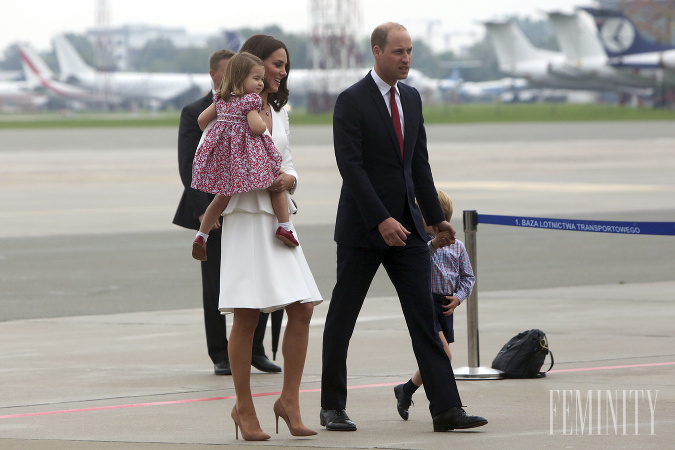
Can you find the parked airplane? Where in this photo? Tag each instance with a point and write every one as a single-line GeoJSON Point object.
{"type": "Point", "coordinates": [455, 89]}
{"type": "Point", "coordinates": [519, 57]}
{"type": "Point", "coordinates": [163, 87]}
{"type": "Point", "coordinates": [626, 47]}
{"type": "Point", "coordinates": [156, 88]}
{"type": "Point", "coordinates": [10, 75]}
{"type": "Point", "coordinates": [586, 57]}
{"type": "Point", "coordinates": [38, 74]}
{"type": "Point", "coordinates": [303, 82]}
{"type": "Point", "coordinates": [19, 95]}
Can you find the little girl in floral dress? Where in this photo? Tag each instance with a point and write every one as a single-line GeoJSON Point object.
{"type": "Point", "coordinates": [237, 155]}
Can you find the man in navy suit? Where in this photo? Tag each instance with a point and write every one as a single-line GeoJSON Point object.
{"type": "Point", "coordinates": [189, 214]}
{"type": "Point", "coordinates": [381, 152]}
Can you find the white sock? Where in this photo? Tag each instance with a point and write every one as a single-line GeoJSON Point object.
{"type": "Point", "coordinates": [286, 226]}
{"type": "Point", "coordinates": [205, 236]}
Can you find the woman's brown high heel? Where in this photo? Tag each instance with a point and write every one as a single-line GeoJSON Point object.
{"type": "Point", "coordinates": [252, 436]}
{"type": "Point", "coordinates": [279, 411]}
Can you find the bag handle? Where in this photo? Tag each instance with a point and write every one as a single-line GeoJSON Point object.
{"type": "Point", "coordinates": [551, 366]}
{"type": "Point", "coordinates": [543, 374]}
{"type": "Point", "coordinates": [544, 345]}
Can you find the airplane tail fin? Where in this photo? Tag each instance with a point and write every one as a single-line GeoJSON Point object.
{"type": "Point", "coordinates": [619, 34]}
{"type": "Point", "coordinates": [456, 74]}
{"type": "Point", "coordinates": [70, 62]}
{"type": "Point", "coordinates": [233, 40]}
{"type": "Point", "coordinates": [35, 69]}
{"type": "Point", "coordinates": [577, 37]}
{"type": "Point", "coordinates": [512, 46]}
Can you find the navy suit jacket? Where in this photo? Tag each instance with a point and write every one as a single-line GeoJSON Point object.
{"type": "Point", "coordinates": [193, 203]}
{"type": "Point", "coordinates": [377, 183]}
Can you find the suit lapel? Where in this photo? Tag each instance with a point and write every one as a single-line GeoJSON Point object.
{"type": "Point", "coordinates": [208, 99]}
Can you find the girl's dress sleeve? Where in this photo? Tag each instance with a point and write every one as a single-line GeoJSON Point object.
{"type": "Point", "coordinates": [251, 102]}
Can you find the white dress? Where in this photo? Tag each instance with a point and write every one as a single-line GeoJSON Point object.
{"type": "Point", "coordinates": [257, 270]}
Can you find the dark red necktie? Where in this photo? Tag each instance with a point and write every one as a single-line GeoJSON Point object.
{"type": "Point", "coordinates": [395, 117]}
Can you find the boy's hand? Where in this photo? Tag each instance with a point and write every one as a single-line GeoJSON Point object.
{"type": "Point", "coordinates": [450, 307]}
{"type": "Point", "coordinates": [445, 226]}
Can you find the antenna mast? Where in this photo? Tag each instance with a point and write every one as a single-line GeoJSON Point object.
{"type": "Point", "coordinates": [103, 53]}
{"type": "Point", "coordinates": [335, 25]}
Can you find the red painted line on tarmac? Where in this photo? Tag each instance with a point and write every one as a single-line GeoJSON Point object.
{"type": "Point", "coordinates": [266, 394]}
{"type": "Point", "coordinates": [631, 366]}
{"type": "Point", "coordinates": [102, 408]}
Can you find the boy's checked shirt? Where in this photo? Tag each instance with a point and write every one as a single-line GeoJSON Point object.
{"type": "Point", "coordinates": [451, 272]}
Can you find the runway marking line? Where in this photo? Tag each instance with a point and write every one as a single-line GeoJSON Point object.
{"type": "Point", "coordinates": [266, 394]}
{"type": "Point", "coordinates": [558, 187]}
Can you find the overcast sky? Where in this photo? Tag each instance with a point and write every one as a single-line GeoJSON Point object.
{"type": "Point", "coordinates": [37, 21]}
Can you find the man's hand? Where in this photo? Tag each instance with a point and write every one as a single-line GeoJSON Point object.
{"type": "Point", "coordinates": [450, 308]}
{"type": "Point", "coordinates": [393, 233]}
{"type": "Point", "coordinates": [445, 238]}
{"type": "Point", "coordinates": [439, 239]}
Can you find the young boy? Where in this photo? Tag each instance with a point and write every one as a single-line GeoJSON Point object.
{"type": "Point", "coordinates": [451, 282]}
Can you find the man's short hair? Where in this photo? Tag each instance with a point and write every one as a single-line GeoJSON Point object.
{"type": "Point", "coordinates": [217, 57]}
{"type": "Point", "coordinates": [381, 34]}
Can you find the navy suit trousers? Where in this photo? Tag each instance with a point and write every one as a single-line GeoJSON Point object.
{"type": "Point", "coordinates": [409, 270]}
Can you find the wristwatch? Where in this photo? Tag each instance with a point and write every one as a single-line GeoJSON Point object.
{"type": "Point", "coordinates": [295, 183]}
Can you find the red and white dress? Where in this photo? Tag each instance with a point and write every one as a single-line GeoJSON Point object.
{"type": "Point", "coordinates": [232, 159]}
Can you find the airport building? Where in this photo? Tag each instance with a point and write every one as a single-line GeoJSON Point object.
{"type": "Point", "coordinates": [122, 41]}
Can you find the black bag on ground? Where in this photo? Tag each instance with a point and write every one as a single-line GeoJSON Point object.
{"type": "Point", "coordinates": [523, 355]}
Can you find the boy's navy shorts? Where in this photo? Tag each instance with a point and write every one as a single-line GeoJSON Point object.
{"type": "Point", "coordinates": [441, 322]}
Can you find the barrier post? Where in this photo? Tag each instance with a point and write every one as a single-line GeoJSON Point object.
{"type": "Point", "coordinates": [474, 370]}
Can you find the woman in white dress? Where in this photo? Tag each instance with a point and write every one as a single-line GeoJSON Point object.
{"type": "Point", "coordinates": [259, 272]}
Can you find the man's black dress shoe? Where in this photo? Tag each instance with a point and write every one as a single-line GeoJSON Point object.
{"type": "Point", "coordinates": [222, 368]}
{"type": "Point", "coordinates": [403, 401]}
{"type": "Point", "coordinates": [457, 419]}
{"type": "Point", "coordinates": [336, 420]}
{"type": "Point", "coordinates": [263, 364]}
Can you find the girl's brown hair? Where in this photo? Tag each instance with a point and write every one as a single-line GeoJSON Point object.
{"type": "Point", "coordinates": [237, 70]}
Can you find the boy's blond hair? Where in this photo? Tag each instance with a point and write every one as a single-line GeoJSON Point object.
{"type": "Point", "coordinates": [446, 204]}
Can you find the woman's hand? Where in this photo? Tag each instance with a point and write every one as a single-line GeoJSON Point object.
{"type": "Point", "coordinates": [284, 182]}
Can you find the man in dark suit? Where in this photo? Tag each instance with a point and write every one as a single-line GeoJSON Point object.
{"type": "Point", "coordinates": [189, 214]}
{"type": "Point", "coordinates": [381, 152]}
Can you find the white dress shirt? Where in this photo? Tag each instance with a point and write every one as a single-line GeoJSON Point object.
{"type": "Point", "coordinates": [385, 89]}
